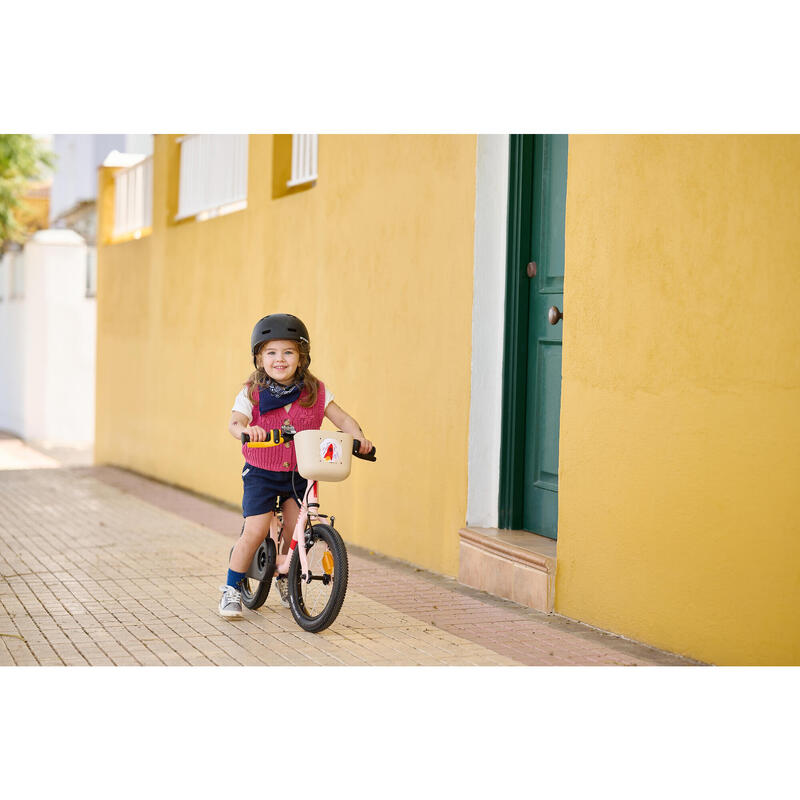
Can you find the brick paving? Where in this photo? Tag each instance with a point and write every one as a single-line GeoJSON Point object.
{"type": "Point", "coordinates": [99, 566]}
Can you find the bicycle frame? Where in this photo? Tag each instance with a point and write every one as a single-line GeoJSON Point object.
{"type": "Point", "coordinates": [298, 535]}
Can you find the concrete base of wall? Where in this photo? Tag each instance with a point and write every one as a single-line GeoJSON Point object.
{"type": "Point", "coordinates": [515, 565]}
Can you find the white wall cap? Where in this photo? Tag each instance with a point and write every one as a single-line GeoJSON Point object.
{"type": "Point", "coordinates": [57, 236]}
{"type": "Point", "coordinates": [117, 159]}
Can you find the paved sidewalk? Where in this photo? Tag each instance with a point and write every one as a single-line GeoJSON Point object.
{"type": "Point", "coordinates": [99, 566]}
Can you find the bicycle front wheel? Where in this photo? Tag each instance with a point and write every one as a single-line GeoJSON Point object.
{"type": "Point", "coordinates": [316, 604]}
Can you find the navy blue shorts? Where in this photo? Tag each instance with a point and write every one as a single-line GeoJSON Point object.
{"type": "Point", "coordinates": [262, 487]}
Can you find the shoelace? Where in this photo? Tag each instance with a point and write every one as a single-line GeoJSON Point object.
{"type": "Point", "coordinates": [231, 595]}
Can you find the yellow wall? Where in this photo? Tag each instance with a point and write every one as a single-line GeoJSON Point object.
{"type": "Point", "coordinates": [680, 428]}
{"type": "Point", "coordinates": [376, 259]}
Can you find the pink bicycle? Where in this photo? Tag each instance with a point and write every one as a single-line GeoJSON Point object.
{"type": "Point", "coordinates": [318, 568]}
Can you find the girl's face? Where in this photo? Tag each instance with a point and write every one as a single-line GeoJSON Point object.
{"type": "Point", "coordinates": [280, 360]}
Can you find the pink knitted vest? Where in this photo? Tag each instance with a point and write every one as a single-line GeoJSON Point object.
{"type": "Point", "coordinates": [282, 457]}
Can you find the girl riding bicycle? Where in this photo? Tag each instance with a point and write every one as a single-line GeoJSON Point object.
{"type": "Point", "coordinates": [281, 391]}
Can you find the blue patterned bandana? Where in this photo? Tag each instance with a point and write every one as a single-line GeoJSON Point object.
{"type": "Point", "coordinates": [275, 395]}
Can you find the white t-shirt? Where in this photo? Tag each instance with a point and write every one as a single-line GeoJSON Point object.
{"type": "Point", "coordinates": [243, 405]}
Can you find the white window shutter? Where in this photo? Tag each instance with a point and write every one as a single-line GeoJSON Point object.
{"type": "Point", "coordinates": [213, 173]}
{"type": "Point", "coordinates": [304, 158]}
{"type": "Point", "coordinates": [133, 198]}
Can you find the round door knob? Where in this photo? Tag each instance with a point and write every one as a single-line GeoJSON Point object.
{"type": "Point", "coordinates": [554, 315]}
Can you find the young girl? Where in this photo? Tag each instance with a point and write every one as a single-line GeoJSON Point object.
{"type": "Point", "coordinates": [280, 391]}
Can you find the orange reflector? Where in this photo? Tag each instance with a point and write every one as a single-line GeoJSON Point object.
{"type": "Point", "coordinates": [327, 563]}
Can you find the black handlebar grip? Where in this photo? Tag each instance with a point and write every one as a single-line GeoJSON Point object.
{"type": "Point", "coordinates": [245, 438]}
{"type": "Point", "coordinates": [368, 457]}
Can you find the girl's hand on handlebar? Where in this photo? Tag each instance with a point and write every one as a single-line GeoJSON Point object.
{"type": "Point", "coordinates": [256, 433]}
{"type": "Point", "coordinates": [366, 446]}
{"type": "Point", "coordinates": [364, 450]}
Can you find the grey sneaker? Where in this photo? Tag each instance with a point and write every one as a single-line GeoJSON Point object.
{"type": "Point", "coordinates": [230, 604]}
{"type": "Point", "coordinates": [282, 583]}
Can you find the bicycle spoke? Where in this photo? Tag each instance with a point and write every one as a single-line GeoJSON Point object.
{"type": "Point", "coordinates": [315, 594]}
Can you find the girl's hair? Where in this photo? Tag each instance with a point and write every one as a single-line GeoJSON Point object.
{"type": "Point", "coordinates": [258, 378]}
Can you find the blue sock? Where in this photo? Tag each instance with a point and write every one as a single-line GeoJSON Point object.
{"type": "Point", "coordinates": [235, 578]}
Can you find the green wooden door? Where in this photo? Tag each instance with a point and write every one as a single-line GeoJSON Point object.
{"type": "Point", "coordinates": [545, 298]}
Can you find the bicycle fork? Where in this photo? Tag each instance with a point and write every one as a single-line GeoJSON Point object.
{"type": "Point", "coordinates": [298, 538]}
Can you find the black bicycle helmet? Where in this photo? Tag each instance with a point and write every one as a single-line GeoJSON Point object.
{"type": "Point", "coordinates": [278, 326]}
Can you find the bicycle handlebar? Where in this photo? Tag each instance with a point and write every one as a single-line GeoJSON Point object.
{"type": "Point", "coordinates": [368, 457]}
{"type": "Point", "coordinates": [356, 445]}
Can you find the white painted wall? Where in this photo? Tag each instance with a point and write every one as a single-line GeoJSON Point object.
{"type": "Point", "coordinates": [12, 360]}
{"type": "Point", "coordinates": [77, 158]}
{"type": "Point", "coordinates": [488, 315]}
{"type": "Point", "coordinates": [141, 143]}
{"type": "Point", "coordinates": [47, 345]}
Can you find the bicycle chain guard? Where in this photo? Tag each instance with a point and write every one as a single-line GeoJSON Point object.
{"type": "Point", "coordinates": [263, 558]}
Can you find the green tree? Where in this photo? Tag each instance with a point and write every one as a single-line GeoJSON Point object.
{"type": "Point", "coordinates": [23, 158]}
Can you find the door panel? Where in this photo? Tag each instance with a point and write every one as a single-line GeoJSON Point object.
{"type": "Point", "coordinates": [545, 457]}
{"type": "Point", "coordinates": [546, 289]}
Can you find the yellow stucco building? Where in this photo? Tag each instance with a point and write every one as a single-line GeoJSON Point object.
{"type": "Point", "coordinates": [578, 357]}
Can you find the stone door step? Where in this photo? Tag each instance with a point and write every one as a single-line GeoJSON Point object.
{"type": "Point", "coordinates": [515, 565]}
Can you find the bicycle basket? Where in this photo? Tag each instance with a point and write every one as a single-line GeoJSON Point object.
{"type": "Point", "coordinates": [323, 455]}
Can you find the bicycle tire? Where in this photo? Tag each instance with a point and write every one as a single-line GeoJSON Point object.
{"type": "Point", "coordinates": [255, 591]}
{"type": "Point", "coordinates": [304, 598]}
